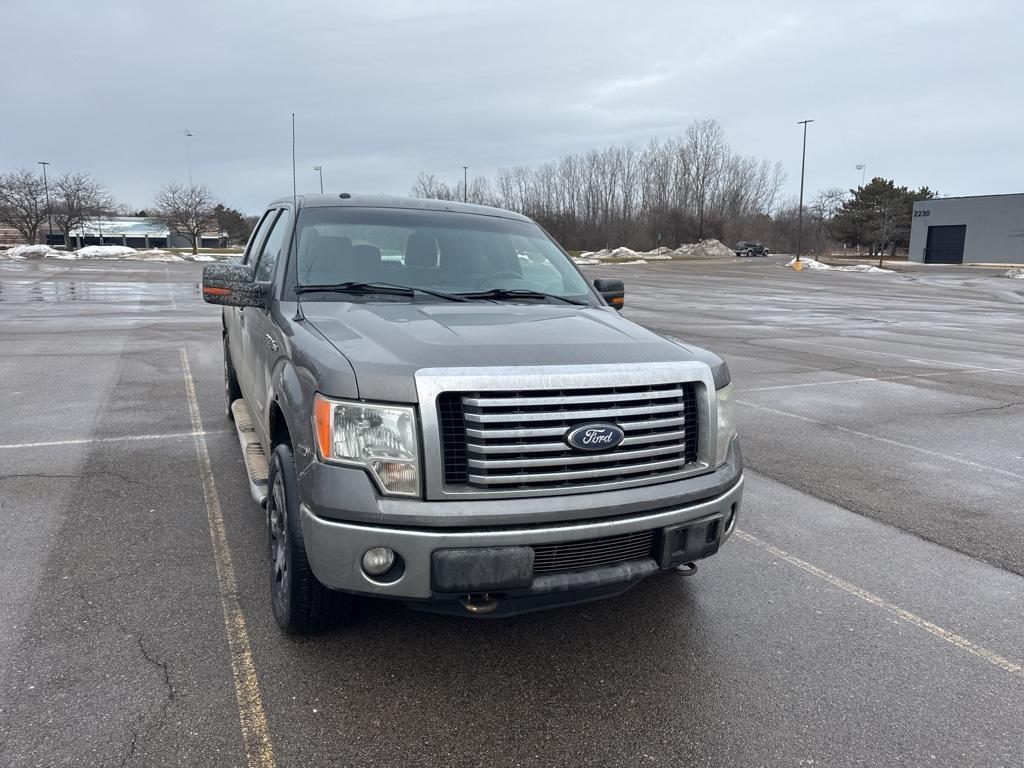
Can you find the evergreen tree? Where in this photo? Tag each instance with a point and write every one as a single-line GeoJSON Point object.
{"type": "Point", "coordinates": [878, 215]}
{"type": "Point", "coordinates": [234, 223]}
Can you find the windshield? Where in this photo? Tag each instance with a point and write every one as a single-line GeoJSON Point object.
{"type": "Point", "coordinates": [433, 250]}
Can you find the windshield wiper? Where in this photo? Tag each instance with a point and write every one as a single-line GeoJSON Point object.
{"type": "Point", "coordinates": [499, 294]}
{"type": "Point", "coordinates": [392, 289]}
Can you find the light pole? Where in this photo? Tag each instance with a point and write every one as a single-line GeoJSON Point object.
{"type": "Point", "coordinates": [320, 170]}
{"type": "Point", "coordinates": [861, 167]}
{"type": "Point", "coordinates": [465, 183]}
{"type": "Point", "coordinates": [188, 155]}
{"type": "Point", "coordinates": [800, 212]}
{"type": "Point", "coordinates": [49, 210]}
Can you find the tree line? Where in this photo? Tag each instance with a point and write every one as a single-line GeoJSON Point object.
{"type": "Point", "coordinates": [668, 192]}
{"type": "Point", "coordinates": [75, 200]}
{"type": "Point", "coordinates": [682, 190]}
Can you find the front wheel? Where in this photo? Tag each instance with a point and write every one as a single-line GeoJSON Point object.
{"type": "Point", "coordinates": [301, 604]}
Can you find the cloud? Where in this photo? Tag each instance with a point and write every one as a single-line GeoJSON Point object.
{"type": "Point", "coordinates": [919, 91]}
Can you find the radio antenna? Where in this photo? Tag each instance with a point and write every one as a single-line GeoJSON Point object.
{"type": "Point", "coordinates": [295, 196]}
{"type": "Point", "coordinates": [295, 225]}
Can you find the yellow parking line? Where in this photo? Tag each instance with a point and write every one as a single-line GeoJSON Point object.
{"type": "Point", "coordinates": [259, 750]}
{"type": "Point", "coordinates": [901, 613]}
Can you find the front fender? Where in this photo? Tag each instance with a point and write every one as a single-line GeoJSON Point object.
{"type": "Point", "coordinates": [293, 394]}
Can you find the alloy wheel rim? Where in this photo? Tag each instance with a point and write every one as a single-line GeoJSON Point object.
{"type": "Point", "coordinates": [279, 535]}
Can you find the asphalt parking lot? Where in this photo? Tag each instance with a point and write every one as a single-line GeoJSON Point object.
{"type": "Point", "coordinates": [869, 610]}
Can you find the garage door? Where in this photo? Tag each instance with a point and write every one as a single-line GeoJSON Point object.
{"type": "Point", "coordinates": [945, 245]}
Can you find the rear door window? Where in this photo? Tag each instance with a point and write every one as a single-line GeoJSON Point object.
{"type": "Point", "coordinates": [257, 237]}
{"type": "Point", "coordinates": [273, 246]}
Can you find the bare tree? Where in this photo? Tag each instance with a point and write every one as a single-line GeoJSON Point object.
{"type": "Point", "coordinates": [186, 210]}
{"type": "Point", "coordinates": [23, 203]}
{"type": "Point", "coordinates": [822, 209]}
{"type": "Point", "coordinates": [667, 192]}
{"type": "Point", "coordinates": [78, 199]}
{"type": "Point", "coordinates": [706, 147]}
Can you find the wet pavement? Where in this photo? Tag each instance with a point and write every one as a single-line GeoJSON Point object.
{"type": "Point", "coordinates": [868, 612]}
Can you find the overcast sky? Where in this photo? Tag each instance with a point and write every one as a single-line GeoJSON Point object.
{"type": "Point", "coordinates": [925, 92]}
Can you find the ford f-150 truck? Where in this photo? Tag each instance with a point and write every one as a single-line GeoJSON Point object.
{"type": "Point", "coordinates": [436, 406]}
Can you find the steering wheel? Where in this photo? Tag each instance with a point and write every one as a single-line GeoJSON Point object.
{"type": "Point", "coordinates": [495, 276]}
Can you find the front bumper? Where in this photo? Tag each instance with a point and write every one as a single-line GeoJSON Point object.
{"type": "Point", "coordinates": [335, 549]}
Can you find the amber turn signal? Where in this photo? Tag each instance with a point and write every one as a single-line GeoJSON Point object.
{"type": "Point", "coordinates": [322, 421]}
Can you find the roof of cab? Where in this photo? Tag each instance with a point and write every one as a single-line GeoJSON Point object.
{"type": "Point", "coordinates": [387, 201]}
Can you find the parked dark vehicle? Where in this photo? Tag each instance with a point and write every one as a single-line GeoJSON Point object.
{"type": "Point", "coordinates": [436, 406]}
{"type": "Point", "coordinates": [750, 248]}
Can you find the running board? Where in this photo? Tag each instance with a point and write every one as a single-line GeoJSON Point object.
{"type": "Point", "coordinates": [256, 467]}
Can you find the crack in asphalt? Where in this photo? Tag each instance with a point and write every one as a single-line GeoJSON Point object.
{"type": "Point", "coordinates": [39, 476]}
{"type": "Point", "coordinates": [164, 671]}
{"type": "Point", "coordinates": [981, 410]}
{"type": "Point", "coordinates": [79, 476]}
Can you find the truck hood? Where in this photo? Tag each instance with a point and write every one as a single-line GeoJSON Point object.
{"type": "Point", "coordinates": [386, 343]}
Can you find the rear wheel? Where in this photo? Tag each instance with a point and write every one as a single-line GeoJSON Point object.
{"type": "Point", "coordinates": [232, 391]}
{"type": "Point", "coordinates": [749, 253]}
{"type": "Point", "coordinates": [301, 604]}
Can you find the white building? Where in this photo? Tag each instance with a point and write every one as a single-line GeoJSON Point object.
{"type": "Point", "coordinates": [135, 232]}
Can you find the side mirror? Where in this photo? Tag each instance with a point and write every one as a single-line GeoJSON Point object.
{"type": "Point", "coordinates": [612, 290]}
{"type": "Point", "coordinates": [233, 285]}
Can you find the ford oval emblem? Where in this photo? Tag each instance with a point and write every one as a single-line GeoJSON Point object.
{"type": "Point", "coordinates": [594, 437]}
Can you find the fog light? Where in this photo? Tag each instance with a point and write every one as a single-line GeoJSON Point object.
{"type": "Point", "coordinates": [378, 561]}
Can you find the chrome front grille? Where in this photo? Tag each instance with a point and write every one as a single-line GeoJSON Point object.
{"type": "Point", "coordinates": [514, 441]}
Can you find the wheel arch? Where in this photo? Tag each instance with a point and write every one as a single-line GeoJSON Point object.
{"type": "Point", "coordinates": [285, 408]}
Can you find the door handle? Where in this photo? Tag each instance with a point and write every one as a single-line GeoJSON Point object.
{"type": "Point", "coordinates": [269, 341]}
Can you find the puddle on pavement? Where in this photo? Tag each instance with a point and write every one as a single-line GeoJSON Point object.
{"type": "Point", "coordinates": [56, 291]}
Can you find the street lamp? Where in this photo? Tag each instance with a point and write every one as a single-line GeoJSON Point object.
{"type": "Point", "coordinates": [320, 170]}
{"type": "Point", "coordinates": [465, 183]}
{"type": "Point", "coordinates": [861, 167]}
{"type": "Point", "coordinates": [800, 212]}
{"type": "Point", "coordinates": [49, 210]}
{"type": "Point", "coordinates": [188, 155]}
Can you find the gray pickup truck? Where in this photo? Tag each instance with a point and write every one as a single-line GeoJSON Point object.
{"type": "Point", "coordinates": [436, 406]}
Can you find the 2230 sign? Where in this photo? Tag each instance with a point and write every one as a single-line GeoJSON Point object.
{"type": "Point", "coordinates": [922, 213]}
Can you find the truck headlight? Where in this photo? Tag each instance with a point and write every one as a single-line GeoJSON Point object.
{"type": "Point", "coordinates": [726, 423]}
{"type": "Point", "coordinates": [381, 438]}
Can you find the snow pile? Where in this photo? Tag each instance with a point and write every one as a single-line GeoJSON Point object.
{"type": "Point", "coordinates": [114, 252]}
{"type": "Point", "coordinates": [705, 249]}
{"type": "Point", "coordinates": [1016, 274]}
{"type": "Point", "coordinates": [621, 254]}
{"type": "Point", "coordinates": [30, 252]}
{"type": "Point", "coordinates": [813, 264]}
{"type": "Point", "coordinates": [155, 254]}
{"type": "Point", "coordinates": [102, 252]}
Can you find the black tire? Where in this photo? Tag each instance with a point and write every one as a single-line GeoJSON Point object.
{"type": "Point", "coordinates": [232, 391]}
{"type": "Point", "coordinates": [301, 604]}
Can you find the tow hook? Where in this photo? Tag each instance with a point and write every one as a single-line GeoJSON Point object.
{"type": "Point", "coordinates": [686, 569]}
{"type": "Point", "coordinates": [480, 602]}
